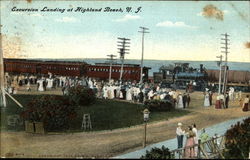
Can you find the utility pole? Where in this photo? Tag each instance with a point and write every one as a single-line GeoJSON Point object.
{"type": "Point", "coordinates": [122, 49]}
{"type": "Point", "coordinates": [3, 97]}
{"type": "Point", "coordinates": [219, 91]}
{"type": "Point", "coordinates": [111, 60]}
{"type": "Point", "coordinates": [143, 31]}
{"type": "Point", "coordinates": [225, 43]}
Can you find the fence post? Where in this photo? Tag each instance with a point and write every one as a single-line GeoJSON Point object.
{"type": "Point", "coordinates": [213, 145]}
{"type": "Point", "coordinates": [180, 153]}
{"type": "Point", "coordinates": [199, 149]}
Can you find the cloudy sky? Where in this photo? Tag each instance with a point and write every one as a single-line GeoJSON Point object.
{"type": "Point", "coordinates": [186, 30]}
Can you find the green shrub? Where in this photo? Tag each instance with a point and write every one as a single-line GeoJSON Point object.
{"type": "Point", "coordinates": [159, 105]}
{"type": "Point", "coordinates": [54, 111]}
{"type": "Point", "coordinates": [158, 153]}
{"type": "Point", "coordinates": [238, 141]}
{"type": "Point", "coordinates": [81, 96]}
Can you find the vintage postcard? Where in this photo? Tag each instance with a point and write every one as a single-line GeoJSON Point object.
{"type": "Point", "coordinates": [125, 79]}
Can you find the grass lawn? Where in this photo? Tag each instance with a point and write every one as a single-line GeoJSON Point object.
{"type": "Point", "coordinates": [105, 114]}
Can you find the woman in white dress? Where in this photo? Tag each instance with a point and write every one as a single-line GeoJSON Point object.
{"type": "Point", "coordinates": [40, 87]}
{"type": "Point", "coordinates": [180, 102]}
{"type": "Point", "coordinates": [49, 83]}
{"type": "Point", "coordinates": [105, 92]}
{"type": "Point", "coordinates": [109, 91]}
{"type": "Point", "coordinates": [129, 95]}
{"type": "Point", "coordinates": [90, 83]}
{"type": "Point", "coordinates": [206, 100]}
{"type": "Point", "coordinates": [150, 94]}
{"type": "Point", "coordinates": [120, 93]}
{"type": "Point", "coordinates": [112, 93]}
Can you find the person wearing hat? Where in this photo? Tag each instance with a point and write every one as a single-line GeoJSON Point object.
{"type": "Point", "coordinates": [180, 133]}
{"type": "Point", "coordinates": [146, 115]}
{"type": "Point", "coordinates": [206, 99]}
{"type": "Point", "coordinates": [204, 137]}
{"type": "Point", "coordinates": [180, 101]}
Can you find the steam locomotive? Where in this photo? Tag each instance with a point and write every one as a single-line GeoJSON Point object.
{"type": "Point", "coordinates": [180, 75]}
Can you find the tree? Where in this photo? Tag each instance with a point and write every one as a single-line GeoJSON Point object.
{"type": "Point", "coordinates": [237, 142]}
{"type": "Point", "coordinates": [158, 153]}
{"type": "Point", "coordinates": [54, 111]}
{"type": "Point", "coordinates": [80, 96]}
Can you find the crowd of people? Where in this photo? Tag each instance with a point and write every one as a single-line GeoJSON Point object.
{"type": "Point", "coordinates": [222, 101]}
{"type": "Point", "coordinates": [129, 90]}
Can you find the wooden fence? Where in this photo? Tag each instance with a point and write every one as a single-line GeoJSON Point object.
{"type": "Point", "coordinates": [210, 149]}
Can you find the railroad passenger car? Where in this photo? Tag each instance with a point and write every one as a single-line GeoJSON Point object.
{"type": "Point", "coordinates": [71, 68]}
{"type": "Point", "coordinates": [44, 67]}
{"type": "Point", "coordinates": [130, 71]}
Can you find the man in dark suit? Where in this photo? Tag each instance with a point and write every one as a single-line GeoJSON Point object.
{"type": "Point", "coordinates": [184, 99]}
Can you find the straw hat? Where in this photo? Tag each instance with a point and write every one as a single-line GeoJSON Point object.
{"type": "Point", "coordinates": [146, 111]}
{"type": "Point", "coordinates": [179, 124]}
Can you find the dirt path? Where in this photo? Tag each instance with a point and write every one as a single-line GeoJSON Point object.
{"type": "Point", "coordinates": [106, 144]}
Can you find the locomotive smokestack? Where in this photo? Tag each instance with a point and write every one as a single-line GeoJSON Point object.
{"type": "Point", "coordinates": [201, 67]}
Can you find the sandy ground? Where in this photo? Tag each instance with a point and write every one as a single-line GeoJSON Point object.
{"type": "Point", "coordinates": [105, 144]}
